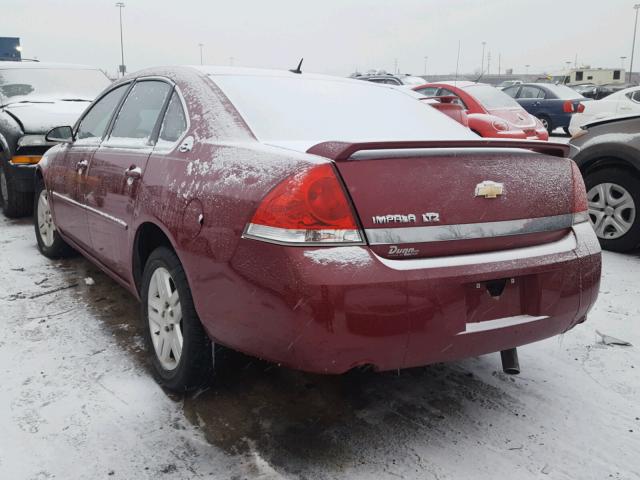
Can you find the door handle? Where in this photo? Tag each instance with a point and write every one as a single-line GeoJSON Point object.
{"type": "Point", "coordinates": [133, 172]}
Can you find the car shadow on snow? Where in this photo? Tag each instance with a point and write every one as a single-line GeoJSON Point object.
{"type": "Point", "coordinates": [300, 422]}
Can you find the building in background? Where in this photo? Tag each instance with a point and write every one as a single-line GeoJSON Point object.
{"type": "Point", "coordinates": [596, 76]}
{"type": "Point", "coordinates": [10, 49]}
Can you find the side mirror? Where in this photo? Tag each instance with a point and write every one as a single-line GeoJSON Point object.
{"type": "Point", "coordinates": [60, 135]}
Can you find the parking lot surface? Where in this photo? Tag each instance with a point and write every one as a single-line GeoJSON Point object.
{"type": "Point", "coordinates": [77, 400]}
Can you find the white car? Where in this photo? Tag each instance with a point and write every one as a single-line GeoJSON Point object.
{"type": "Point", "coordinates": [620, 104]}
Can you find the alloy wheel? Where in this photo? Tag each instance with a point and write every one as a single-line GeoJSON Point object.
{"type": "Point", "coordinates": [46, 227]}
{"type": "Point", "coordinates": [165, 318]}
{"type": "Point", "coordinates": [611, 209]}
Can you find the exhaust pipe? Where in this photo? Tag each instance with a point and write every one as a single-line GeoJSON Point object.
{"type": "Point", "coordinates": [510, 363]}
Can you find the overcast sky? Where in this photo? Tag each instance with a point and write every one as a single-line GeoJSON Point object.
{"type": "Point", "coordinates": [334, 36]}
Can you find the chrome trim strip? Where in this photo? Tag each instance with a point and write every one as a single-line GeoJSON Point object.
{"type": "Point", "coordinates": [116, 220]}
{"type": "Point", "coordinates": [275, 235]}
{"type": "Point", "coordinates": [467, 231]}
{"type": "Point", "coordinates": [505, 322]}
{"type": "Point", "coordinates": [565, 245]}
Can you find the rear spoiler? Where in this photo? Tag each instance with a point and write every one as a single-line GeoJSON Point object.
{"type": "Point", "coordinates": [342, 151]}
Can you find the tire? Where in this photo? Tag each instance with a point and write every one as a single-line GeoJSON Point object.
{"type": "Point", "coordinates": [50, 243]}
{"type": "Point", "coordinates": [165, 322]}
{"type": "Point", "coordinates": [614, 208]}
{"type": "Point", "coordinates": [14, 204]}
{"type": "Point", "coordinates": [546, 123]}
{"type": "Point", "coordinates": [566, 130]}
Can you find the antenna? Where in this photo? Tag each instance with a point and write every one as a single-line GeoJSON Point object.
{"type": "Point", "coordinates": [457, 63]}
{"type": "Point", "coordinates": [298, 68]}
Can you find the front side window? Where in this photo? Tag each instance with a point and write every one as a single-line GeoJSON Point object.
{"type": "Point", "coordinates": [139, 113]}
{"type": "Point", "coordinates": [94, 124]}
{"type": "Point", "coordinates": [174, 123]}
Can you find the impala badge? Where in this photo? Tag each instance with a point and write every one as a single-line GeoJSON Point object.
{"type": "Point", "coordinates": [489, 189]}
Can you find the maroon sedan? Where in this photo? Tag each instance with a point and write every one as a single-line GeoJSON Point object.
{"type": "Point", "coordinates": [318, 222]}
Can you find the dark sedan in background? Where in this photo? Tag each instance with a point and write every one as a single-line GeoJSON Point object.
{"type": "Point", "coordinates": [552, 104]}
{"type": "Point", "coordinates": [34, 97]}
{"type": "Point", "coordinates": [608, 155]}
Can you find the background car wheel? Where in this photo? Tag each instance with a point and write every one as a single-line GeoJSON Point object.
{"type": "Point", "coordinates": [546, 123]}
{"type": "Point", "coordinates": [50, 243]}
{"type": "Point", "coordinates": [14, 203]}
{"type": "Point", "coordinates": [181, 351]}
{"type": "Point", "coordinates": [614, 200]}
{"type": "Point", "coordinates": [566, 130]}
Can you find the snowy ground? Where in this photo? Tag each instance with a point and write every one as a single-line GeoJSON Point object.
{"type": "Point", "coordinates": [77, 402]}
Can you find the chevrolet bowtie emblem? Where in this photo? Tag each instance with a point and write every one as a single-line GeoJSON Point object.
{"type": "Point", "coordinates": [489, 189]}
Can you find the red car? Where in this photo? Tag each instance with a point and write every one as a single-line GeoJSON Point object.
{"type": "Point", "coordinates": [491, 113]}
{"type": "Point", "coordinates": [281, 215]}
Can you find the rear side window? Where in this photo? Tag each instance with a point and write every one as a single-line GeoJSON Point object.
{"type": "Point", "coordinates": [512, 91]}
{"type": "Point", "coordinates": [448, 93]}
{"type": "Point", "coordinates": [92, 127]}
{"type": "Point", "coordinates": [139, 113]}
{"type": "Point", "coordinates": [634, 96]}
{"type": "Point", "coordinates": [174, 123]}
{"type": "Point", "coordinates": [530, 92]}
{"type": "Point", "coordinates": [428, 91]}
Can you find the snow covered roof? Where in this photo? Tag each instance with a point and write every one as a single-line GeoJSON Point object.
{"type": "Point", "coordinates": [263, 72]}
{"type": "Point", "coordinates": [41, 65]}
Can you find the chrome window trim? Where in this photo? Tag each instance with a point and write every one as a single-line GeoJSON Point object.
{"type": "Point", "coordinates": [565, 245]}
{"type": "Point", "coordinates": [115, 220]}
{"type": "Point", "coordinates": [467, 231]}
{"type": "Point", "coordinates": [505, 322]}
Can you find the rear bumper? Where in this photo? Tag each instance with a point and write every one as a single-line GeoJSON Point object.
{"type": "Point", "coordinates": [331, 309]}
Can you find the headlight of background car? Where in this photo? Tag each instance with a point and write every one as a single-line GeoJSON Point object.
{"type": "Point", "coordinates": [30, 149]}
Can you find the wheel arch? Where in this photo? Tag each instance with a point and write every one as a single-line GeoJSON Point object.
{"type": "Point", "coordinates": [148, 237]}
{"type": "Point", "coordinates": [607, 156]}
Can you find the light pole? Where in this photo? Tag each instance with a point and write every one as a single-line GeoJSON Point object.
{"type": "Point", "coordinates": [425, 65]}
{"type": "Point", "coordinates": [527, 69]}
{"type": "Point", "coordinates": [482, 64]}
{"type": "Point", "coordinates": [622, 59]}
{"type": "Point", "coordinates": [122, 68]}
{"type": "Point", "coordinates": [633, 45]}
{"type": "Point", "coordinates": [201, 45]}
{"type": "Point", "coordinates": [568, 76]}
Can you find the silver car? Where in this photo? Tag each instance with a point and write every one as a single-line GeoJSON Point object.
{"type": "Point", "coordinates": [608, 154]}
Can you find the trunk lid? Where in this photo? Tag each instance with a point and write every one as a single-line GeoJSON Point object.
{"type": "Point", "coordinates": [440, 201]}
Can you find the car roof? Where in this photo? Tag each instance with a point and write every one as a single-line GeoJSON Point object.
{"type": "Point", "coordinates": [43, 65]}
{"type": "Point", "coordinates": [263, 72]}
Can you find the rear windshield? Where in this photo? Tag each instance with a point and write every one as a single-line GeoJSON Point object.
{"type": "Point", "coordinates": [317, 109]}
{"type": "Point", "coordinates": [490, 97]}
{"type": "Point", "coordinates": [563, 92]}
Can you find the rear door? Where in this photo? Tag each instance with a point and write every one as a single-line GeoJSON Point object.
{"type": "Point", "coordinates": [116, 169]}
{"type": "Point", "coordinates": [532, 99]}
{"type": "Point", "coordinates": [69, 178]}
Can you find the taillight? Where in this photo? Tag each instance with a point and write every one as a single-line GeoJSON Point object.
{"type": "Point", "coordinates": [580, 203]}
{"type": "Point", "coordinates": [567, 107]}
{"type": "Point", "coordinates": [306, 208]}
{"type": "Point", "coordinates": [500, 125]}
{"type": "Point", "coordinates": [580, 108]}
